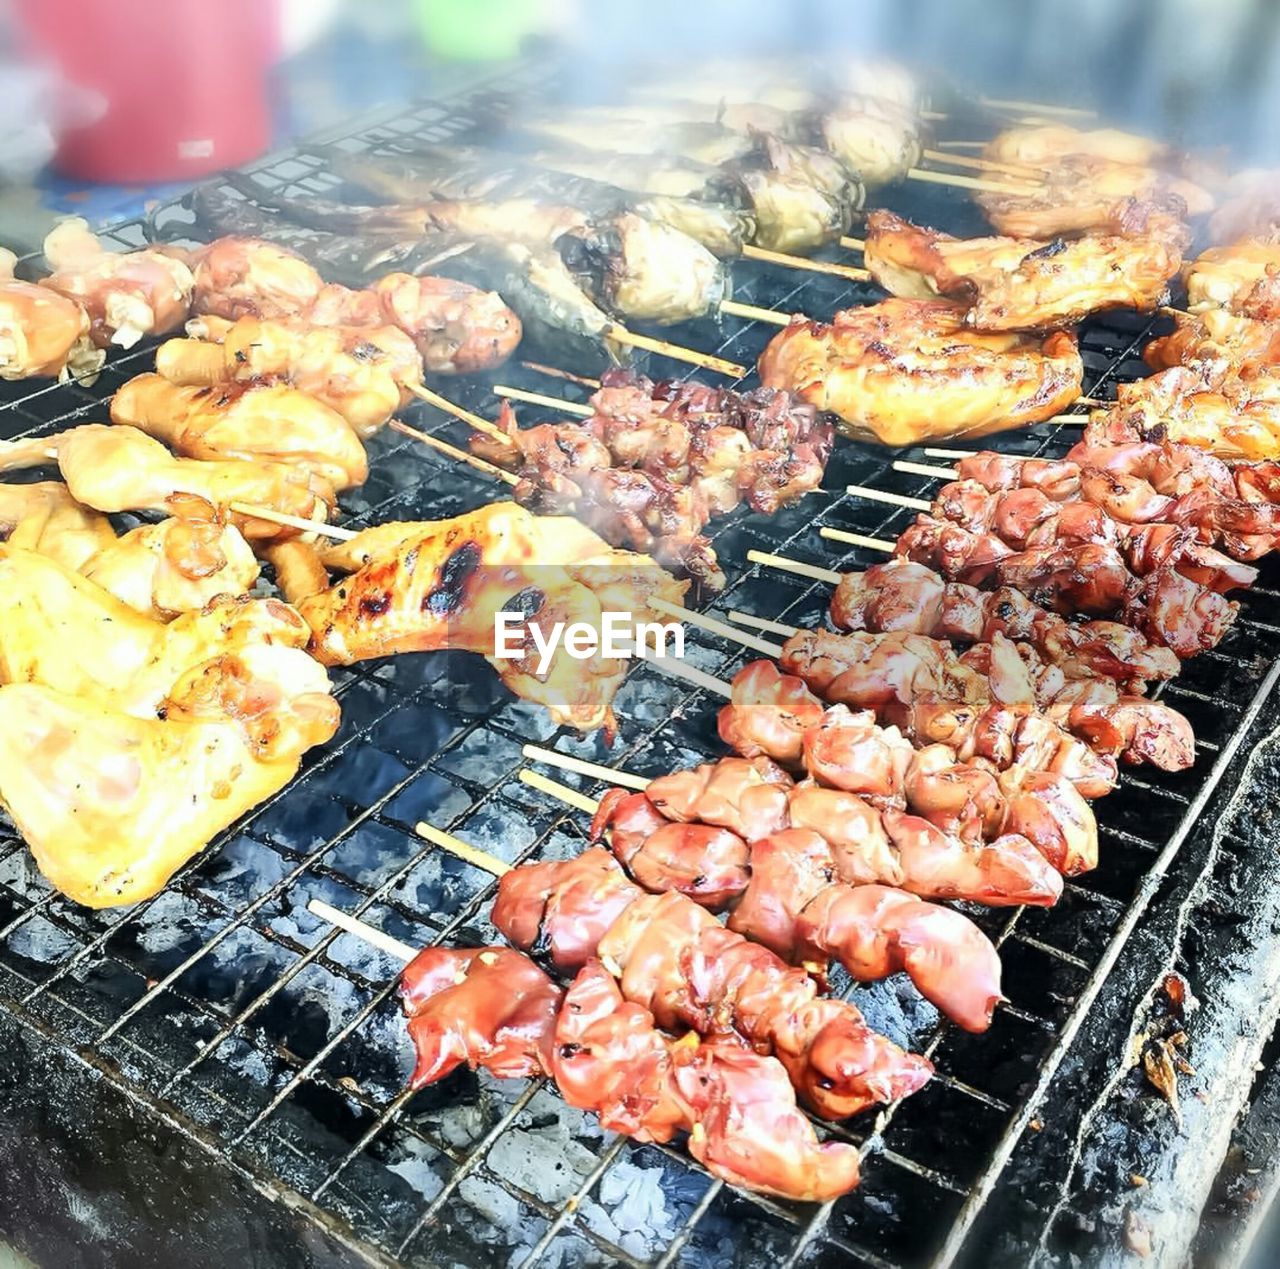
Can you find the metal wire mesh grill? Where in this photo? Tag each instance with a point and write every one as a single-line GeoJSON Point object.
{"type": "Point", "coordinates": [225, 1006]}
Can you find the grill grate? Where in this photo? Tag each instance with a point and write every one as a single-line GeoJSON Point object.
{"type": "Point", "coordinates": [228, 1010]}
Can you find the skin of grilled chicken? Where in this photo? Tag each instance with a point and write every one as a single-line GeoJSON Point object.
{"type": "Point", "coordinates": [246, 421]}
{"type": "Point", "coordinates": [68, 633]}
{"type": "Point", "coordinates": [126, 294]}
{"type": "Point", "coordinates": [1022, 284]}
{"type": "Point", "coordinates": [1046, 145]}
{"type": "Point", "coordinates": [362, 372]}
{"type": "Point", "coordinates": [1243, 278]}
{"type": "Point", "coordinates": [247, 277]}
{"type": "Point", "coordinates": [44, 517]}
{"type": "Point", "coordinates": [42, 334]}
{"type": "Point", "coordinates": [112, 805]}
{"type": "Point", "coordinates": [116, 469]}
{"type": "Point", "coordinates": [903, 371]}
{"type": "Point", "coordinates": [1213, 335]}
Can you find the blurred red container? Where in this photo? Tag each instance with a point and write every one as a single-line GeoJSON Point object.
{"type": "Point", "coordinates": [184, 82]}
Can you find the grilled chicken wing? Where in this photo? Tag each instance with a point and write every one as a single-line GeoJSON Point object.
{"type": "Point", "coordinates": [42, 333]}
{"type": "Point", "coordinates": [426, 586]}
{"type": "Point", "coordinates": [122, 469]}
{"type": "Point", "coordinates": [247, 277]}
{"type": "Point", "coordinates": [903, 371]}
{"type": "Point", "coordinates": [1243, 278]}
{"type": "Point", "coordinates": [249, 421]}
{"type": "Point", "coordinates": [1025, 284]}
{"type": "Point", "coordinates": [1216, 334]}
{"type": "Point", "coordinates": [126, 294]}
{"type": "Point", "coordinates": [365, 373]}
{"type": "Point", "coordinates": [112, 805]}
{"type": "Point", "coordinates": [44, 517]}
{"type": "Point", "coordinates": [68, 633]}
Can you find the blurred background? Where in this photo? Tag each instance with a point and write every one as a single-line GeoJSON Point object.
{"type": "Point", "coordinates": [111, 104]}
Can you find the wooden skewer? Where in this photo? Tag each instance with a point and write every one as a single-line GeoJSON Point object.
{"type": "Point", "coordinates": [1036, 107]}
{"type": "Point", "coordinates": [619, 334]}
{"type": "Point", "coordinates": [362, 930]}
{"type": "Point", "coordinates": [763, 623]}
{"type": "Point", "coordinates": [1174, 312]}
{"type": "Point", "coordinates": [293, 522]}
{"type": "Point", "coordinates": [934, 115]}
{"type": "Point", "coordinates": [459, 455]}
{"type": "Point", "coordinates": [753, 313]}
{"type": "Point", "coordinates": [567, 762]}
{"type": "Point", "coordinates": [802, 262]}
{"type": "Point", "coordinates": [923, 469]}
{"type": "Point", "coordinates": [536, 780]}
{"type": "Point", "coordinates": [961, 145]}
{"type": "Point", "coordinates": [969, 182]}
{"type": "Point", "coordinates": [893, 499]}
{"type": "Point", "coordinates": [1069, 420]}
{"type": "Point", "coordinates": [854, 244]}
{"type": "Point", "coordinates": [1021, 170]}
{"type": "Point", "coordinates": [950, 453]}
{"type": "Point", "coordinates": [858, 539]}
{"type": "Point", "coordinates": [716, 627]}
{"type": "Point", "coordinates": [1094, 401]}
{"type": "Point", "coordinates": [456, 846]}
{"type": "Point", "coordinates": [491, 430]}
{"type": "Point", "coordinates": [677, 669]}
{"type": "Point", "coordinates": [538, 398]}
{"type": "Point", "coordinates": [816, 571]}
{"type": "Point", "coordinates": [556, 373]}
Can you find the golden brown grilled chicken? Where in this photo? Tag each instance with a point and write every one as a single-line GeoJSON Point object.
{"type": "Point", "coordinates": [299, 570]}
{"type": "Point", "coordinates": [1243, 278]}
{"type": "Point", "coordinates": [905, 370]}
{"type": "Point", "coordinates": [122, 469]}
{"type": "Point", "coordinates": [112, 805]}
{"type": "Point", "coordinates": [44, 517]}
{"type": "Point", "coordinates": [126, 294]}
{"type": "Point", "coordinates": [62, 630]}
{"type": "Point", "coordinates": [1081, 194]}
{"type": "Point", "coordinates": [424, 586]}
{"type": "Point", "coordinates": [42, 333]}
{"type": "Point", "coordinates": [1028, 284]}
{"type": "Point", "coordinates": [1046, 146]}
{"type": "Point", "coordinates": [1216, 335]}
{"type": "Point", "coordinates": [365, 373]}
{"type": "Point", "coordinates": [178, 565]}
{"type": "Point", "coordinates": [250, 421]}
{"type": "Point", "coordinates": [248, 277]}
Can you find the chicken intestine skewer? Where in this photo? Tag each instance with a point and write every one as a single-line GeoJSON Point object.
{"type": "Point", "coordinates": [493, 1008]}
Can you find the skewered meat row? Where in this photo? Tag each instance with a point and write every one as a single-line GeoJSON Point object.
{"type": "Point", "coordinates": [890, 815]}
{"type": "Point", "coordinates": [655, 461]}
{"type": "Point", "coordinates": [1029, 284]}
{"type": "Point", "coordinates": [902, 371]}
{"type": "Point", "coordinates": [782, 892]}
{"type": "Point", "coordinates": [493, 1008]}
{"type": "Point", "coordinates": [672, 957]}
{"type": "Point", "coordinates": [905, 596]}
{"type": "Point", "coordinates": [418, 587]}
{"type": "Point", "coordinates": [1046, 145]}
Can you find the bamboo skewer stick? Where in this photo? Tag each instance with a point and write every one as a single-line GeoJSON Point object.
{"type": "Point", "coordinates": [292, 522]}
{"type": "Point", "coordinates": [753, 313]}
{"type": "Point", "coordinates": [858, 539]}
{"type": "Point", "coordinates": [715, 627]}
{"type": "Point", "coordinates": [580, 766]}
{"type": "Point", "coordinates": [923, 469]}
{"type": "Point", "coordinates": [950, 453]}
{"type": "Point", "coordinates": [1019, 170]}
{"type": "Point", "coordinates": [362, 930]}
{"type": "Point", "coordinates": [969, 182]}
{"type": "Point", "coordinates": [799, 567]}
{"type": "Point", "coordinates": [961, 145]}
{"type": "Point", "coordinates": [763, 623]}
{"type": "Point", "coordinates": [580, 801]}
{"type": "Point", "coordinates": [893, 499]}
{"type": "Point", "coordinates": [456, 846]}
{"type": "Point", "coordinates": [1036, 107]}
{"type": "Point", "coordinates": [620, 334]}
{"type": "Point", "coordinates": [556, 373]}
{"type": "Point", "coordinates": [490, 430]}
{"type": "Point", "coordinates": [459, 455]}
{"type": "Point", "coordinates": [854, 244]}
{"type": "Point", "coordinates": [539, 398]}
{"type": "Point", "coordinates": [801, 262]}
{"type": "Point", "coordinates": [677, 669]}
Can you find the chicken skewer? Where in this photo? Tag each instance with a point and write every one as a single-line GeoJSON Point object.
{"type": "Point", "coordinates": [935, 828]}
{"type": "Point", "coordinates": [493, 1008]}
{"type": "Point", "coordinates": [905, 596]}
{"type": "Point", "coordinates": [779, 893]}
{"type": "Point", "coordinates": [585, 908]}
{"type": "Point", "coordinates": [42, 334]}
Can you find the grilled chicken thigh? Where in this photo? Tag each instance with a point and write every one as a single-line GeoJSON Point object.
{"type": "Point", "coordinates": [42, 334]}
